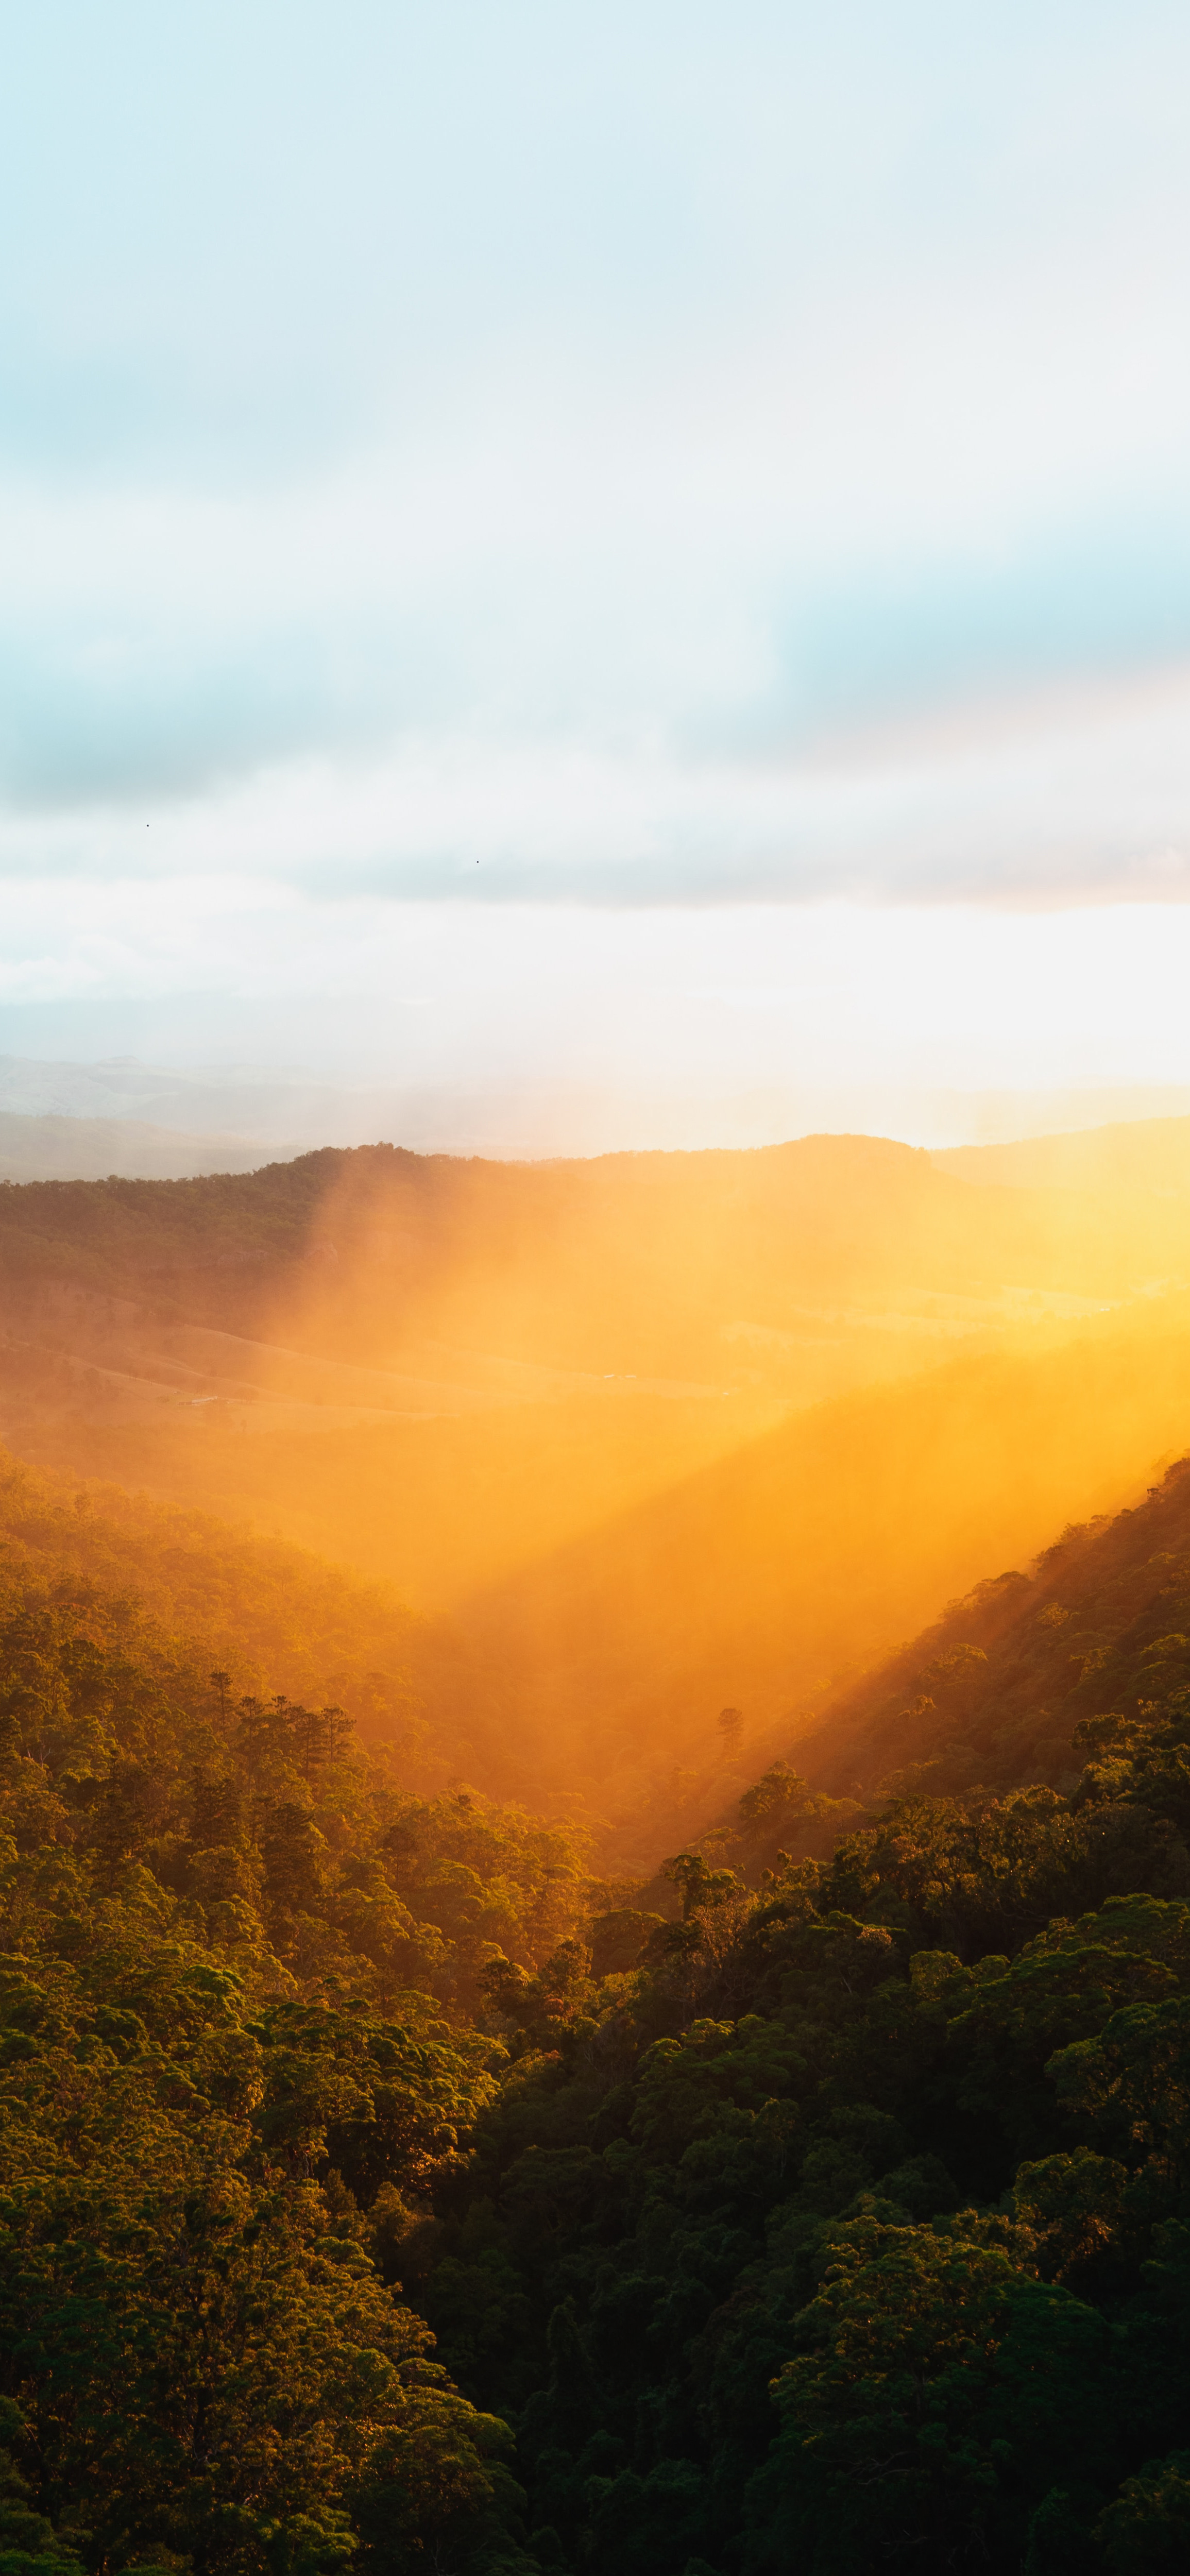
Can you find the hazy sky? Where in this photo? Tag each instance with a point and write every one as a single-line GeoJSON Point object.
{"type": "Point", "coordinates": [478, 482]}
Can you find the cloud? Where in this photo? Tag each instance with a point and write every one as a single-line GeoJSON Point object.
{"type": "Point", "coordinates": [1062, 797]}
{"type": "Point", "coordinates": [641, 459]}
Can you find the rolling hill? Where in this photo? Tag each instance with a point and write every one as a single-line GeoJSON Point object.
{"type": "Point", "coordinates": [1137, 1157]}
{"type": "Point", "coordinates": [440, 1370]}
{"type": "Point", "coordinates": [1033, 1671]}
{"type": "Point", "coordinates": [637, 1438]}
{"type": "Point", "coordinates": [762, 1580]}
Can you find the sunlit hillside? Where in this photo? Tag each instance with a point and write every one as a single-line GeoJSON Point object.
{"type": "Point", "coordinates": [638, 1438]}
{"type": "Point", "coordinates": [1137, 1158]}
{"type": "Point", "coordinates": [765, 1577]}
{"type": "Point", "coordinates": [257, 1609]}
{"type": "Point", "coordinates": [1039, 1669]}
{"type": "Point", "coordinates": [440, 1371]}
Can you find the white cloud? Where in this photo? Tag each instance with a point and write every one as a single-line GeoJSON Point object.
{"type": "Point", "coordinates": [601, 407]}
{"type": "Point", "coordinates": [1058, 797]}
{"type": "Point", "coordinates": [650, 458]}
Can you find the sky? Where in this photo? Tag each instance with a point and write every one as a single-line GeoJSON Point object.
{"type": "Point", "coordinates": [639, 551]}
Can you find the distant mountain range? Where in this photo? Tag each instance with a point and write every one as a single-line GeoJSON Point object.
{"type": "Point", "coordinates": [243, 1117]}
{"type": "Point", "coordinates": [236, 1115]}
{"type": "Point", "coordinates": [72, 1148]}
{"type": "Point", "coordinates": [70, 1121]}
{"type": "Point", "coordinates": [86, 1122]}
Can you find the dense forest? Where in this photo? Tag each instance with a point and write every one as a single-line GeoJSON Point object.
{"type": "Point", "coordinates": [382, 2186]}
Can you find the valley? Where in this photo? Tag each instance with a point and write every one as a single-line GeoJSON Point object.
{"type": "Point", "coordinates": [629, 1440]}
{"type": "Point", "coordinates": [484, 1874]}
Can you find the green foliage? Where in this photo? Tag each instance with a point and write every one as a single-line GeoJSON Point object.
{"type": "Point", "coordinates": [362, 2201]}
{"type": "Point", "coordinates": [195, 2331]}
{"type": "Point", "coordinates": [1087, 1655]}
{"type": "Point", "coordinates": [1146, 2531]}
{"type": "Point", "coordinates": [842, 2220]}
{"type": "Point", "coordinates": [108, 1232]}
{"type": "Point", "coordinates": [932, 2387]}
{"type": "Point", "coordinates": [181, 1590]}
{"type": "Point", "coordinates": [235, 2060]}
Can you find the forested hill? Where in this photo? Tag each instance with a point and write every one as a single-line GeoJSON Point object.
{"type": "Point", "coordinates": [853, 2232]}
{"type": "Point", "coordinates": [260, 1609]}
{"type": "Point", "coordinates": [821, 2203]}
{"type": "Point", "coordinates": [654, 1433]}
{"type": "Point", "coordinates": [238, 1967]}
{"type": "Point", "coordinates": [1001, 1688]}
{"type": "Point", "coordinates": [113, 1232]}
{"type": "Point", "coordinates": [815, 2208]}
{"type": "Point", "coordinates": [844, 1215]}
{"type": "Point", "coordinates": [267, 1614]}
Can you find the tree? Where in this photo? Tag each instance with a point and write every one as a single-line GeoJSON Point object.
{"type": "Point", "coordinates": [731, 1728]}
{"type": "Point", "coordinates": [934, 2389]}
